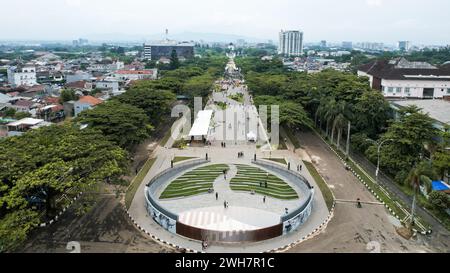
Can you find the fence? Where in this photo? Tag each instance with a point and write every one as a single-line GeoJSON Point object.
{"type": "Point", "coordinates": [305, 206]}
{"type": "Point", "coordinates": [158, 180]}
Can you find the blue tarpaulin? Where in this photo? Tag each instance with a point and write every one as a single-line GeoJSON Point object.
{"type": "Point", "coordinates": [439, 186]}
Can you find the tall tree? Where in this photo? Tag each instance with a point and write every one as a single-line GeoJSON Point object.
{"type": "Point", "coordinates": [174, 62]}
{"type": "Point", "coordinates": [121, 123]}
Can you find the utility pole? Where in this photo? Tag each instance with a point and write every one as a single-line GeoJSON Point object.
{"type": "Point", "coordinates": [377, 171]}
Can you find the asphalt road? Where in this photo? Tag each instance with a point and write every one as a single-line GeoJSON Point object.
{"type": "Point", "coordinates": [352, 228]}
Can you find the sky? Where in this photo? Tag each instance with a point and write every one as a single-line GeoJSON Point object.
{"type": "Point", "coordinates": [388, 21]}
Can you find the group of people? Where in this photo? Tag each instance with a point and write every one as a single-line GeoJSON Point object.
{"type": "Point", "coordinates": [223, 144]}
{"type": "Point", "coordinates": [240, 154]}
{"type": "Point", "coordinates": [225, 204]}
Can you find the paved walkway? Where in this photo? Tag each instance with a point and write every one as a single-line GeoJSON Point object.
{"type": "Point", "coordinates": [228, 155]}
{"type": "Point", "coordinates": [234, 198]}
{"type": "Point", "coordinates": [138, 212]}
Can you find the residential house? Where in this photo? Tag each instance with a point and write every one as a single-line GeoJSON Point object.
{"type": "Point", "coordinates": [85, 103]}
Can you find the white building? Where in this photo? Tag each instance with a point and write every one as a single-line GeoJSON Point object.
{"type": "Point", "coordinates": [25, 75]}
{"type": "Point", "coordinates": [133, 75]}
{"type": "Point", "coordinates": [404, 45]}
{"type": "Point", "coordinates": [291, 43]}
{"type": "Point", "coordinates": [106, 66]}
{"type": "Point", "coordinates": [400, 78]}
{"type": "Point", "coordinates": [108, 84]}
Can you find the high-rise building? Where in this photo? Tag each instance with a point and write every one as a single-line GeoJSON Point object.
{"type": "Point", "coordinates": [323, 43]}
{"type": "Point", "coordinates": [404, 45]}
{"type": "Point", "coordinates": [155, 51]}
{"type": "Point", "coordinates": [347, 45]}
{"type": "Point", "coordinates": [291, 43]}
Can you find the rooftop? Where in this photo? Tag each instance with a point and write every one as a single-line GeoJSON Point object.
{"type": "Point", "coordinates": [90, 100]}
{"type": "Point", "coordinates": [437, 109]}
{"type": "Point", "coordinates": [26, 121]}
{"type": "Point", "coordinates": [401, 69]}
{"type": "Point", "coordinates": [127, 72]}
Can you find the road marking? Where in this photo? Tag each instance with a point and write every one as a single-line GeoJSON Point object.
{"type": "Point", "coordinates": [354, 201]}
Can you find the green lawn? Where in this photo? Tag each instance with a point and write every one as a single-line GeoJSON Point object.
{"type": "Point", "coordinates": [279, 160]}
{"type": "Point", "coordinates": [248, 178]}
{"type": "Point", "coordinates": [182, 158]}
{"type": "Point", "coordinates": [292, 137]}
{"type": "Point", "coordinates": [326, 192]}
{"type": "Point", "coordinates": [137, 180]}
{"type": "Point", "coordinates": [196, 181]}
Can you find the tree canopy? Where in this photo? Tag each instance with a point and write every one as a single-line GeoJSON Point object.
{"type": "Point", "coordinates": [124, 124]}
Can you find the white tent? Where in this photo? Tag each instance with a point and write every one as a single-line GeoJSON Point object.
{"type": "Point", "coordinates": [251, 136]}
{"type": "Point", "coordinates": [201, 123]}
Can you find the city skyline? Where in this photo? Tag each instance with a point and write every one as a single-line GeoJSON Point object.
{"type": "Point", "coordinates": [378, 20]}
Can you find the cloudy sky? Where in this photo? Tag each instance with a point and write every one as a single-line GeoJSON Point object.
{"type": "Point", "coordinates": [421, 21]}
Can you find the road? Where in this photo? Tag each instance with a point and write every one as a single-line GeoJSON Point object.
{"type": "Point", "coordinates": [352, 228]}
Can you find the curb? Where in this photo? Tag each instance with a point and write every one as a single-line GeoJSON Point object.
{"type": "Point", "coordinates": [368, 187]}
{"type": "Point", "coordinates": [53, 220]}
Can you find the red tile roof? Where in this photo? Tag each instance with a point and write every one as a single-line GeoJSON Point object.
{"type": "Point", "coordinates": [90, 99]}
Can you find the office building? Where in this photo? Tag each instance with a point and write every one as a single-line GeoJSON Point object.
{"type": "Point", "coordinates": [155, 51]}
{"type": "Point", "coordinates": [404, 45]}
{"type": "Point", "coordinates": [347, 45]}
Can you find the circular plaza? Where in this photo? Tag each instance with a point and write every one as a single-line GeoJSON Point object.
{"type": "Point", "coordinates": [229, 202]}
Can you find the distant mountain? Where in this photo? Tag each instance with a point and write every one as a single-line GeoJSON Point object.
{"type": "Point", "coordinates": [183, 36]}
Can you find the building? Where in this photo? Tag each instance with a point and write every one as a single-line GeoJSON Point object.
{"type": "Point", "coordinates": [106, 66]}
{"type": "Point", "coordinates": [164, 49]}
{"type": "Point", "coordinates": [438, 110]}
{"type": "Point", "coordinates": [347, 45]}
{"type": "Point", "coordinates": [323, 43]}
{"type": "Point", "coordinates": [23, 105]}
{"type": "Point", "coordinates": [291, 43]}
{"type": "Point", "coordinates": [22, 75]}
{"type": "Point", "coordinates": [107, 85]}
{"type": "Point", "coordinates": [85, 103]}
{"type": "Point", "coordinates": [134, 75]}
{"type": "Point", "coordinates": [18, 127]}
{"type": "Point", "coordinates": [404, 45]}
{"type": "Point", "coordinates": [75, 76]}
{"type": "Point", "coordinates": [371, 46]}
{"type": "Point", "coordinates": [399, 78]}
{"type": "Point", "coordinates": [80, 42]}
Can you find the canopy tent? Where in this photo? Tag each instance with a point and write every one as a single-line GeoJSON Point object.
{"type": "Point", "coordinates": [251, 136]}
{"type": "Point", "coordinates": [201, 123]}
{"type": "Point", "coordinates": [440, 186]}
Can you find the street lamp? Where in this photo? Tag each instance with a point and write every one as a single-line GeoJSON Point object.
{"type": "Point", "coordinates": [378, 155]}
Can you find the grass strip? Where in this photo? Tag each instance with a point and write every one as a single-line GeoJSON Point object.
{"type": "Point", "coordinates": [137, 180]}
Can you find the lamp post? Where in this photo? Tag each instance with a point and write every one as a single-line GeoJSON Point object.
{"type": "Point", "coordinates": [378, 155]}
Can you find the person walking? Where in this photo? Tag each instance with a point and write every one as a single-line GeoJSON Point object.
{"type": "Point", "coordinates": [264, 199]}
{"type": "Point", "coordinates": [300, 167]}
{"type": "Point", "coordinates": [217, 195]}
{"type": "Point", "coordinates": [224, 204]}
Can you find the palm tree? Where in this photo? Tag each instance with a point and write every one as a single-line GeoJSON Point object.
{"type": "Point", "coordinates": [331, 111]}
{"type": "Point", "coordinates": [342, 118]}
{"type": "Point", "coordinates": [416, 174]}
